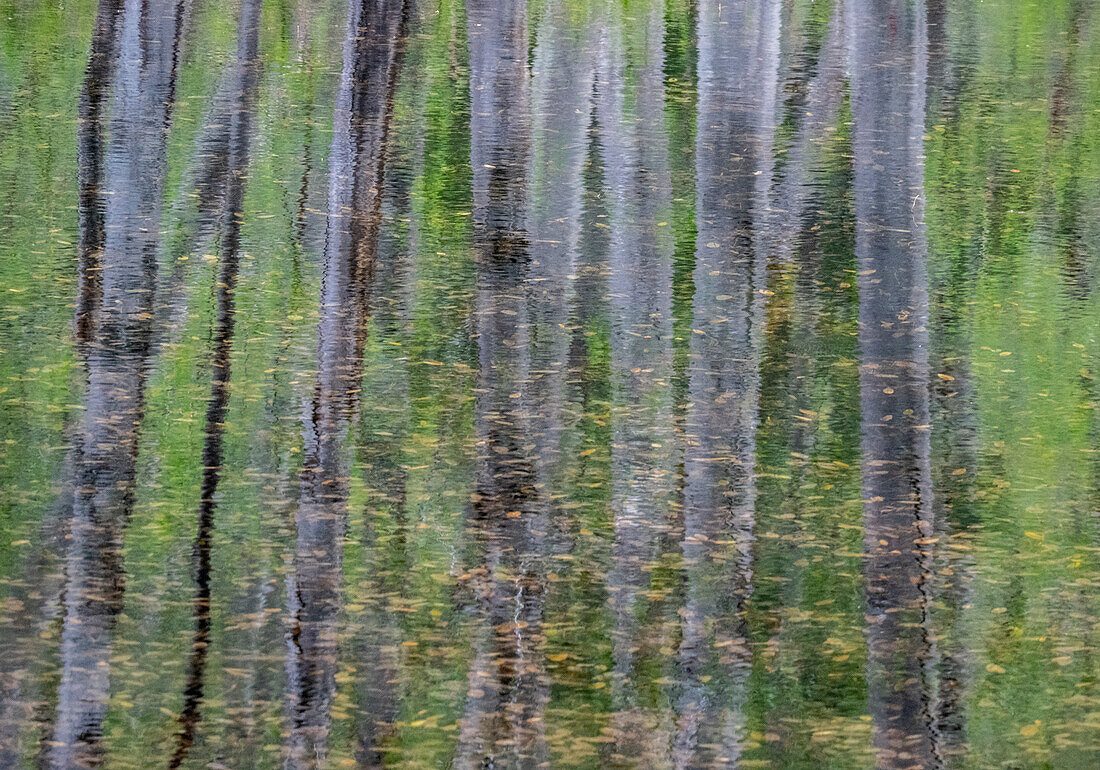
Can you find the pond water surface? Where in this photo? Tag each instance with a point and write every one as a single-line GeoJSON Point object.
{"type": "Point", "coordinates": [550, 383]}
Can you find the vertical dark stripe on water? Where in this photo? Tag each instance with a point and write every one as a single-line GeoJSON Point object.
{"type": "Point", "coordinates": [954, 420]}
{"type": "Point", "coordinates": [779, 227]}
{"type": "Point", "coordinates": [364, 104]}
{"type": "Point", "coordinates": [1068, 213]}
{"type": "Point", "coordinates": [738, 84]}
{"type": "Point", "coordinates": [245, 76]}
{"type": "Point", "coordinates": [888, 105]}
{"type": "Point", "coordinates": [954, 447]}
{"type": "Point", "coordinates": [89, 147]}
{"type": "Point", "coordinates": [116, 358]}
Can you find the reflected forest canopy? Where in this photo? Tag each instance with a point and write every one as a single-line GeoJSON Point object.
{"type": "Point", "coordinates": [550, 383]}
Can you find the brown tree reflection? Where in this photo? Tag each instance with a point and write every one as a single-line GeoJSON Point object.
{"type": "Point", "coordinates": [372, 49]}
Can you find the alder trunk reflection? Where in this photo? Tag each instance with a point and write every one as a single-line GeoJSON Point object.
{"type": "Point", "coordinates": [373, 649]}
{"type": "Point", "coordinates": [630, 103]}
{"type": "Point", "coordinates": [562, 74]}
{"type": "Point", "coordinates": [243, 77]}
{"type": "Point", "coordinates": [44, 587]}
{"type": "Point", "coordinates": [364, 103]}
{"type": "Point", "coordinates": [738, 68]}
{"type": "Point", "coordinates": [503, 719]}
{"type": "Point", "coordinates": [116, 353]}
{"type": "Point", "coordinates": [889, 61]}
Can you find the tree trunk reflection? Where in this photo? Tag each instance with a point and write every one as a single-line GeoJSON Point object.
{"type": "Point", "coordinates": [888, 105]}
{"type": "Point", "coordinates": [507, 689]}
{"type": "Point", "coordinates": [244, 77]}
{"type": "Point", "coordinates": [375, 31]}
{"type": "Point", "coordinates": [630, 105]}
{"type": "Point", "coordinates": [118, 337]}
{"type": "Point", "coordinates": [738, 74]}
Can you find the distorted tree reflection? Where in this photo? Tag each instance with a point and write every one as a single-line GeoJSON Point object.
{"type": "Point", "coordinates": [243, 79]}
{"type": "Point", "coordinates": [507, 690]}
{"type": "Point", "coordinates": [630, 103]}
{"type": "Point", "coordinates": [738, 68]}
{"type": "Point", "coordinates": [119, 331]}
{"type": "Point", "coordinates": [364, 103]}
{"type": "Point", "coordinates": [659, 383]}
{"type": "Point", "coordinates": [888, 106]}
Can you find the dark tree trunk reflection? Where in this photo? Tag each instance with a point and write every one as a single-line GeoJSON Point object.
{"type": "Point", "coordinates": [888, 106]}
{"type": "Point", "coordinates": [363, 108]}
{"type": "Point", "coordinates": [245, 77]}
{"type": "Point", "coordinates": [90, 143]}
{"type": "Point", "coordinates": [955, 449]}
{"type": "Point", "coordinates": [118, 340]}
